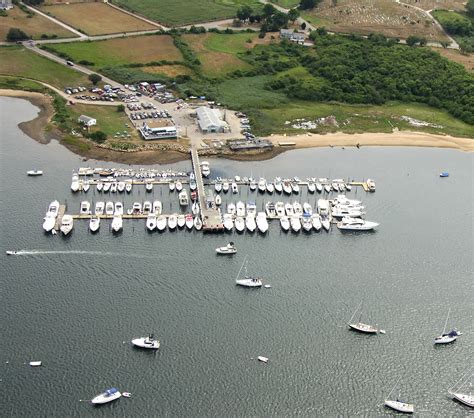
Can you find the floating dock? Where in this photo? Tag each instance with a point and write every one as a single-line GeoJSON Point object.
{"type": "Point", "coordinates": [59, 218]}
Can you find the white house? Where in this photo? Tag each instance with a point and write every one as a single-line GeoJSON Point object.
{"type": "Point", "coordinates": [210, 120]}
{"type": "Point", "coordinates": [292, 36]}
{"type": "Point", "coordinates": [87, 121]}
{"type": "Point", "coordinates": [6, 4]}
{"type": "Point", "coordinates": [158, 129]}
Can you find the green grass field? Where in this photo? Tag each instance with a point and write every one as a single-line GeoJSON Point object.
{"type": "Point", "coordinates": [184, 12]}
{"type": "Point", "coordinates": [287, 4]}
{"type": "Point", "coordinates": [121, 51]}
{"type": "Point", "coordinates": [18, 61]}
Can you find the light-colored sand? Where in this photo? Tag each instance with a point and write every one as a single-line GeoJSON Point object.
{"type": "Point", "coordinates": [401, 138]}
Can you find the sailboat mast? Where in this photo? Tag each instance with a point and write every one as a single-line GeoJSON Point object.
{"type": "Point", "coordinates": [238, 274]}
{"type": "Point", "coordinates": [388, 397]}
{"type": "Point", "coordinates": [352, 317]}
{"type": "Point", "coordinates": [446, 323]}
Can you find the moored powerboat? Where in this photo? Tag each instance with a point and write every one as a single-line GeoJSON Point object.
{"type": "Point", "coordinates": [231, 208]}
{"type": "Point", "coordinates": [270, 187]}
{"type": "Point", "coordinates": [262, 185]}
{"type": "Point", "coordinates": [306, 223]}
{"type": "Point", "coordinates": [262, 223]}
{"type": "Point", "coordinates": [181, 220]}
{"type": "Point", "coordinates": [49, 221]}
{"type": "Point", "coordinates": [172, 186]}
{"type": "Point", "coordinates": [270, 209]}
{"type": "Point", "coordinates": [289, 211]}
{"type": "Point", "coordinates": [197, 223]}
{"type": "Point", "coordinates": [234, 187]}
{"type": "Point", "coordinates": [278, 185]}
{"type": "Point", "coordinates": [179, 186]}
{"type": "Point", "coordinates": [280, 209]}
{"type": "Point", "coordinates": [149, 185]}
{"type": "Point", "coordinates": [157, 207]}
{"type": "Point", "coordinates": [218, 186]}
{"type": "Point", "coordinates": [146, 342]}
{"type": "Point", "coordinates": [285, 223]}
{"type": "Point", "coordinates": [356, 224]}
{"type": "Point", "coordinates": [67, 224]}
{"type": "Point", "coordinates": [229, 249]}
{"type": "Point", "coordinates": [287, 187]}
{"type": "Point", "coordinates": [218, 200]}
{"type": "Point", "coordinates": [240, 209]}
{"type": "Point", "coordinates": [109, 208]}
{"type": "Point", "coordinates": [85, 208]}
{"type": "Point", "coordinates": [75, 183]}
{"type": "Point", "coordinates": [99, 208]}
{"type": "Point", "coordinates": [228, 221]}
{"type": "Point", "coordinates": [147, 207]}
{"type": "Point", "coordinates": [108, 396]}
{"type": "Point", "coordinates": [205, 170]}
{"type": "Point", "coordinates": [136, 208]}
{"type": "Point", "coordinates": [189, 221]}
{"type": "Point", "coordinates": [151, 221]}
{"type": "Point", "coordinates": [183, 198]}
{"type": "Point", "coordinates": [118, 208]}
{"type": "Point", "coordinates": [99, 186]}
{"type": "Point", "coordinates": [311, 187]}
{"type": "Point", "coordinates": [225, 187]}
{"type": "Point", "coordinates": [117, 223]}
{"type": "Point", "coordinates": [94, 224]}
{"type": "Point", "coordinates": [121, 186]}
{"type": "Point", "coordinates": [161, 223]}
{"type": "Point", "coordinates": [250, 223]}
{"type": "Point", "coordinates": [85, 186]}
{"type": "Point", "coordinates": [316, 221]}
{"type": "Point", "coordinates": [172, 221]}
{"type": "Point", "coordinates": [252, 185]}
{"type": "Point", "coordinates": [295, 223]}
{"type": "Point", "coordinates": [239, 223]}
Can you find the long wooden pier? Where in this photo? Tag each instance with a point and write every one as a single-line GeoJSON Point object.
{"type": "Point", "coordinates": [59, 218]}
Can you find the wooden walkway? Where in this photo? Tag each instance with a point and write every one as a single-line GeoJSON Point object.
{"type": "Point", "coordinates": [59, 218]}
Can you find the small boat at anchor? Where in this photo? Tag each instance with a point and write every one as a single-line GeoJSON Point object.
{"type": "Point", "coordinates": [360, 326]}
{"type": "Point", "coordinates": [398, 404]}
{"type": "Point", "coordinates": [447, 338]}
{"type": "Point", "coordinates": [34, 173]}
{"type": "Point", "coordinates": [229, 249]}
{"type": "Point", "coordinates": [146, 342]}
{"type": "Point", "coordinates": [246, 280]}
{"type": "Point", "coordinates": [108, 396]}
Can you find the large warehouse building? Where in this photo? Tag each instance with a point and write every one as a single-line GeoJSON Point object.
{"type": "Point", "coordinates": [210, 120]}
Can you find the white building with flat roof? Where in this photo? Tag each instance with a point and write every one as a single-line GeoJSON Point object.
{"type": "Point", "coordinates": [87, 121]}
{"type": "Point", "coordinates": [211, 120]}
{"type": "Point", "coordinates": [6, 4]}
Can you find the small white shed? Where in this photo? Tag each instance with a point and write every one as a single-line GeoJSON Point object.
{"type": "Point", "coordinates": [87, 121]}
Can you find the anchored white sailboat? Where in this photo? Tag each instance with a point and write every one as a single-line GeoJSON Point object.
{"type": "Point", "coordinates": [399, 405]}
{"type": "Point", "coordinates": [446, 338]}
{"type": "Point", "coordinates": [246, 280]}
{"type": "Point", "coordinates": [459, 394]}
{"type": "Point", "coordinates": [360, 326]}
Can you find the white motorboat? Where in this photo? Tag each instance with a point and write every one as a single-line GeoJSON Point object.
{"type": "Point", "coordinates": [325, 222]}
{"type": "Point", "coordinates": [106, 187]}
{"type": "Point", "coordinates": [252, 185]}
{"type": "Point", "coordinates": [118, 208]}
{"type": "Point", "coordinates": [246, 280]}
{"type": "Point", "coordinates": [371, 185]}
{"type": "Point", "coordinates": [278, 185]}
{"type": "Point", "coordinates": [262, 359]}
{"type": "Point", "coordinates": [400, 406]}
{"type": "Point", "coordinates": [157, 207]}
{"type": "Point", "coordinates": [86, 186]}
{"type": "Point", "coordinates": [195, 208]}
{"type": "Point", "coordinates": [319, 187]}
{"type": "Point", "coordinates": [75, 183]}
{"type": "Point", "coordinates": [327, 188]}
{"type": "Point", "coordinates": [356, 224]}
{"type": "Point", "coordinates": [287, 187]}
{"type": "Point", "coordinates": [117, 223]}
{"type": "Point", "coordinates": [295, 187]}
{"type": "Point", "coordinates": [179, 186]}
{"type": "Point", "coordinates": [218, 200]}
{"type": "Point", "coordinates": [348, 187]}
{"type": "Point", "coordinates": [147, 207]}
{"type": "Point", "coordinates": [262, 185]}
{"type": "Point", "coordinates": [250, 223]}
{"type": "Point", "coordinates": [205, 170]}
{"type": "Point", "coordinates": [108, 396]}
{"type": "Point", "coordinates": [289, 211]}
{"type": "Point", "coordinates": [99, 208]}
{"type": "Point", "coordinates": [311, 187]}
{"type": "Point", "coordinates": [295, 223]}
{"type": "Point", "coordinates": [121, 186]}
{"type": "Point", "coordinates": [239, 224]}
{"type": "Point", "coordinates": [218, 187]}
{"type": "Point", "coordinates": [229, 249]}
{"type": "Point", "coordinates": [228, 221]}
{"type": "Point", "coordinates": [67, 224]}
{"type": "Point", "coordinates": [183, 198]}
{"type": "Point", "coordinates": [270, 209]}
{"type": "Point", "coordinates": [161, 223]}
{"type": "Point", "coordinates": [251, 208]}
{"type": "Point", "coordinates": [146, 342]}
{"type": "Point", "coordinates": [10, 252]}
{"type": "Point", "coordinates": [172, 221]}
{"type": "Point", "coordinates": [234, 187]}
{"type": "Point", "coordinates": [85, 208]}
{"type": "Point", "coordinates": [342, 200]}
{"type": "Point", "coordinates": [197, 223]}
{"type": "Point", "coordinates": [53, 208]}
{"type": "Point", "coordinates": [181, 220]}
{"type": "Point", "coordinates": [149, 186]}
{"type": "Point", "coordinates": [323, 207]}
{"type": "Point", "coordinates": [109, 208]}
{"type": "Point", "coordinates": [94, 224]}
{"type": "Point", "coordinates": [343, 211]}
{"type": "Point", "coordinates": [280, 209]}
{"type": "Point", "coordinates": [128, 186]}
{"type": "Point", "coordinates": [225, 187]}
{"type": "Point", "coordinates": [335, 186]}
{"type": "Point", "coordinates": [262, 223]}
{"type": "Point", "coordinates": [307, 222]}
{"type": "Point", "coordinates": [136, 208]}
{"type": "Point", "coordinates": [285, 223]}
{"type": "Point", "coordinates": [151, 221]}
{"type": "Point", "coordinates": [192, 185]}
{"type": "Point", "coordinates": [297, 209]}
{"type": "Point", "coordinates": [189, 221]}
{"type": "Point", "coordinates": [34, 173]}
{"type": "Point", "coordinates": [270, 188]}
{"type": "Point", "coordinates": [172, 186]}
{"type": "Point", "coordinates": [49, 222]}
{"type": "Point", "coordinates": [231, 208]}
{"type": "Point", "coordinates": [99, 186]}
{"type": "Point", "coordinates": [240, 209]}
{"type": "Point", "coordinates": [466, 399]}
{"type": "Point", "coordinates": [307, 209]}
{"type": "Point", "coordinates": [316, 221]}
{"type": "Point", "coordinates": [113, 187]}
{"type": "Point", "coordinates": [447, 338]}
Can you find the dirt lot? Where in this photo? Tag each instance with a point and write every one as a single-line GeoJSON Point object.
{"type": "Point", "coordinates": [368, 16]}
{"type": "Point", "coordinates": [96, 18]}
{"type": "Point", "coordinates": [466, 60]}
{"type": "Point", "coordinates": [34, 26]}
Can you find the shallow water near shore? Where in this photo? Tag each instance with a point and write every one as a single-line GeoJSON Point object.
{"type": "Point", "coordinates": [75, 303]}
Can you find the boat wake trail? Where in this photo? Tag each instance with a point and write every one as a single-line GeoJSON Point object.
{"type": "Point", "coordinates": [80, 252]}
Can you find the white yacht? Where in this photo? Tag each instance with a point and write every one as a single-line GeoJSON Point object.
{"type": "Point", "coordinates": [447, 338]}
{"type": "Point", "coordinates": [356, 224]}
{"type": "Point", "coordinates": [250, 223]}
{"type": "Point", "coordinates": [289, 211]}
{"type": "Point", "coordinates": [53, 208]}
{"type": "Point", "coordinates": [118, 208]}
{"type": "Point", "coordinates": [128, 186]}
{"type": "Point", "coordinates": [99, 208]}
{"type": "Point", "coordinates": [151, 221]}
{"type": "Point", "coordinates": [231, 208]}
{"type": "Point", "coordinates": [85, 208]}
{"type": "Point", "coordinates": [295, 187]}
{"type": "Point", "coordinates": [400, 406]}
{"type": "Point", "coordinates": [218, 200]}
{"type": "Point", "coordinates": [94, 224]}
{"type": "Point", "coordinates": [280, 209]}
{"type": "Point", "coordinates": [344, 201]}
{"type": "Point", "coordinates": [239, 223]}
{"type": "Point", "coordinates": [307, 209]}
{"type": "Point", "coordinates": [179, 186]}
{"type": "Point", "coordinates": [311, 187]}
{"type": "Point", "coordinates": [34, 173]}
{"type": "Point", "coordinates": [262, 185]}
{"type": "Point", "coordinates": [234, 187]}
{"type": "Point", "coordinates": [121, 186]}
{"type": "Point", "coordinates": [307, 222]}
{"type": "Point", "coordinates": [49, 221]}
{"type": "Point", "coordinates": [251, 208]}
{"type": "Point", "coordinates": [262, 223]}
{"type": "Point", "coordinates": [225, 187]}
{"type": "Point", "coordinates": [297, 209]}
{"type": "Point", "coordinates": [246, 280]}
{"type": "Point", "coordinates": [172, 186]}
{"type": "Point", "coordinates": [371, 185]}
{"type": "Point", "coordinates": [117, 223]}
{"type": "Point", "coordinates": [189, 221]}
{"type": "Point", "coordinates": [161, 223]}
{"type": "Point", "coordinates": [327, 188]}
{"type": "Point", "coordinates": [323, 207]}
{"type": "Point", "coordinates": [195, 208]}
{"type": "Point", "coordinates": [106, 187]}
{"type": "Point", "coordinates": [75, 183]}
{"type": "Point", "coordinates": [109, 208]}
{"type": "Point", "coordinates": [157, 207]}
{"type": "Point", "coordinates": [172, 221]}
{"type": "Point", "coordinates": [344, 211]}
{"type": "Point", "coordinates": [67, 224]}
{"type": "Point", "coordinates": [278, 185]}
{"type": "Point", "coordinates": [149, 185]}
{"type": "Point", "coordinates": [205, 170]}
{"type": "Point", "coordinates": [197, 223]}
{"type": "Point", "coordinates": [287, 187]}
{"type": "Point", "coordinates": [181, 220]}
{"type": "Point", "coordinates": [183, 198]}
{"type": "Point", "coordinates": [316, 221]}
{"type": "Point", "coordinates": [113, 187]}
{"type": "Point", "coordinates": [326, 223]}
{"type": "Point", "coordinates": [228, 221]}
{"type": "Point", "coordinates": [218, 186]}
{"type": "Point", "coordinates": [192, 185]}
{"type": "Point", "coordinates": [108, 396]}
{"type": "Point", "coordinates": [99, 186]}
{"type": "Point", "coordinates": [285, 223]}
{"type": "Point", "coordinates": [252, 185]}
{"type": "Point", "coordinates": [270, 209]}
{"type": "Point", "coordinates": [229, 249]}
{"type": "Point", "coordinates": [146, 342]}
{"type": "Point", "coordinates": [240, 209]}
{"type": "Point", "coordinates": [295, 223]}
{"type": "Point", "coordinates": [147, 207]}
{"type": "Point", "coordinates": [319, 187]}
{"type": "Point", "coordinates": [348, 187]}
{"type": "Point", "coordinates": [86, 186]}
{"type": "Point", "coordinates": [335, 186]}
{"type": "Point", "coordinates": [360, 326]}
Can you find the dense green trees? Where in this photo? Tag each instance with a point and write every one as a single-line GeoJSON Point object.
{"type": "Point", "coordinates": [15, 34]}
{"type": "Point", "coordinates": [94, 78]}
{"type": "Point", "coordinates": [470, 7]}
{"type": "Point", "coordinates": [308, 4]}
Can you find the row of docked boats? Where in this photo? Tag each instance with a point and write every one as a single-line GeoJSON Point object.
{"type": "Point", "coordinates": [173, 221]}
{"type": "Point", "coordinates": [139, 173]}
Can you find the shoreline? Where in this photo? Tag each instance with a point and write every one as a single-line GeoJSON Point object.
{"type": "Point", "coordinates": [35, 129]}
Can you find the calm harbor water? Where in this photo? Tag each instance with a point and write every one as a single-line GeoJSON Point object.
{"type": "Point", "coordinates": [74, 303]}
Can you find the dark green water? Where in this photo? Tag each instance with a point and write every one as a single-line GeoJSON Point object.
{"type": "Point", "coordinates": [76, 301]}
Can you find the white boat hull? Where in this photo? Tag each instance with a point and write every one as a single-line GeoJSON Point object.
{"type": "Point", "coordinates": [249, 282]}
{"type": "Point", "coordinates": [146, 343]}
{"type": "Point", "coordinates": [400, 406]}
{"type": "Point", "coordinates": [103, 398]}
{"type": "Point", "coordinates": [465, 399]}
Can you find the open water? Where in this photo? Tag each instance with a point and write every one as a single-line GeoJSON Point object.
{"type": "Point", "coordinates": [74, 303]}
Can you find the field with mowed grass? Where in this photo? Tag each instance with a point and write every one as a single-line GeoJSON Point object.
{"type": "Point", "coordinates": [18, 61]}
{"type": "Point", "coordinates": [185, 12]}
{"type": "Point", "coordinates": [287, 4]}
{"type": "Point", "coordinates": [33, 25]}
{"type": "Point", "coordinates": [121, 51]}
{"type": "Point", "coordinates": [96, 18]}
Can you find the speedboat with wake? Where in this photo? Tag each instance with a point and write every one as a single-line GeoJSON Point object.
{"type": "Point", "coordinates": [146, 342]}
{"type": "Point", "coordinates": [10, 252]}
{"type": "Point", "coordinates": [229, 249]}
{"type": "Point", "coordinates": [108, 396]}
